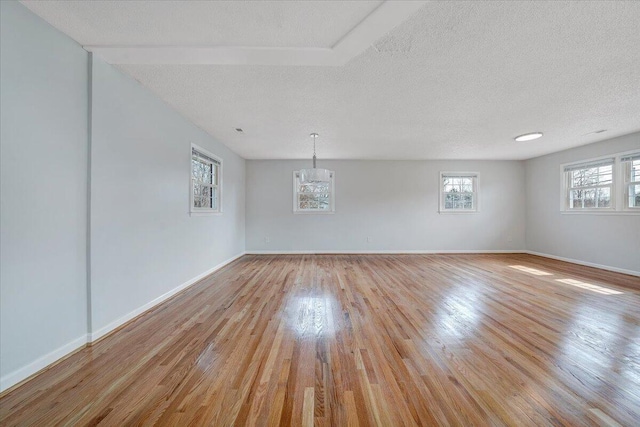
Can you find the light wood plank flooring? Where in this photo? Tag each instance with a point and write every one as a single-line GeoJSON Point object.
{"type": "Point", "coordinates": [347, 340]}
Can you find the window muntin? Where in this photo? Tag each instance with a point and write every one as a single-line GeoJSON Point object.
{"type": "Point", "coordinates": [631, 169]}
{"type": "Point", "coordinates": [206, 172]}
{"type": "Point", "coordinates": [458, 192]}
{"type": "Point", "coordinates": [313, 198]}
{"type": "Point", "coordinates": [590, 185]}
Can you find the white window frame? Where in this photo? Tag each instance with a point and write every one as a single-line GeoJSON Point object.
{"type": "Point", "coordinates": [332, 198]}
{"type": "Point", "coordinates": [195, 211]}
{"type": "Point", "coordinates": [475, 192]}
{"type": "Point", "coordinates": [567, 169]}
{"type": "Point", "coordinates": [625, 169]}
{"type": "Point", "coordinates": [619, 187]}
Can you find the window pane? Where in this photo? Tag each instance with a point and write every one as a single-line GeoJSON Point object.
{"type": "Point", "coordinates": [195, 169]}
{"type": "Point", "coordinates": [456, 200]}
{"type": "Point", "coordinates": [575, 199]}
{"type": "Point", "coordinates": [634, 196]}
{"type": "Point", "coordinates": [322, 188]}
{"type": "Point", "coordinates": [447, 185]}
{"type": "Point", "coordinates": [201, 171]}
{"type": "Point", "coordinates": [468, 201]}
{"type": "Point", "coordinates": [458, 192]}
{"type": "Point", "coordinates": [592, 176]}
{"type": "Point", "coordinates": [635, 171]}
{"type": "Point", "coordinates": [449, 200]}
{"type": "Point", "coordinates": [604, 197]}
{"type": "Point", "coordinates": [207, 173]}
{"type": "Point", "coordinates": [589, 198]}
{"type": "Point", "coordinates": [206, 195]}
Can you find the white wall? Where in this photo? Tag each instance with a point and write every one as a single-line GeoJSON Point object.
{"type": "Point", "coordinates": [608, 240]}
{"type": "Point", "coordinates": [143, 241]}
{"type": "Point", "coordinates": [74, 266]}
{"type": "Point", "coordinates": [43, 122]}
{"type": "Point", "coordinates": [394, 202]}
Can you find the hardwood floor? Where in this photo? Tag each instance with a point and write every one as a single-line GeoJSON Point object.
{"type": "Point", "coordinates": [348, 340]}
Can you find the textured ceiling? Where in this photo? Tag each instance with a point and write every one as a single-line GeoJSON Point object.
{"type": "Point", "coordinates": [201, 23]}
{"type": "Point", "coordinates": [457, 80]}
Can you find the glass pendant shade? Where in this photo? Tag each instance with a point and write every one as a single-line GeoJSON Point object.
{"type": "Point", "coordinates": [314, 176]}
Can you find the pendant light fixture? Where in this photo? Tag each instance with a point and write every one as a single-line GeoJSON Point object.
{"type": "Point", "coordinates": [315, 175]}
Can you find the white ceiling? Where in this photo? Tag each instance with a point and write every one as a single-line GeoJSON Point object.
{"type": "Point", "coordinates": [456, 80]}
{"type": "Point", "coordinates": [201, 23]}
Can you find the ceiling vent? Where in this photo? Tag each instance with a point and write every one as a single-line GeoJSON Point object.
{"type": "Point", "coordinates": [391, 44]}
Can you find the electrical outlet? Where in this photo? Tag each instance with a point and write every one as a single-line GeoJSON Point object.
{"type": "Point", "coordinates": [267, 239]}
{"type": "Point", "coordinates": [369, 239]}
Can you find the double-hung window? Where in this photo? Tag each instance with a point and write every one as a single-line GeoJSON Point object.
{"type": "Point", "coordinates": [631, 168]}
{"type": "Point", "coordinates": [206, 182]}
{"type": "Point", "coordinates": [458, 192]}
{"type": "Point", "coordinates": [589, 186]}
{"type": "Point", "coordinates": [313, 197]}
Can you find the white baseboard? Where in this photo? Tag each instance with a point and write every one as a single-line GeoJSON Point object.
{"type": "Point", "coordinates": [484, 251]}
{"type": "Point", "coordinates": [585, 263]}
{"type": "Point", "coordinates": [389, 252]}
{"type": "Point", "coordinates": [95, 335]}
{"type": "Point", "coordinates": [13, 378]}
{"type": "Point", "coordinates": [25, 372]}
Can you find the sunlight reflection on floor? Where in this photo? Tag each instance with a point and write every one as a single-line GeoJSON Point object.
{"type": "Point", "coordinates": [312, 316]}
{"type": "Point", "coordinates": [530, 270]}
{"type": "Point", "coordinates": [589, 286]}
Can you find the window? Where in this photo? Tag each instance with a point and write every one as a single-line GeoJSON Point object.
{"type": "Point", "coordinates": [631, 169]}
{"type": "Point", "coordinates": [313, 198]}
{"type": "Point", "coordinates": [609, 185]}
{"type": "Point", "coordinates": [589, 185]}
{"type": "Point", "coordinates": [206, 182]}
{"type": "Point", "coordinates": [458, 192]}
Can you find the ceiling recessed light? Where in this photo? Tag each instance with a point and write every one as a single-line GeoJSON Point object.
{"type": "Point", "coordinates": [528, 136]}
{"type": "Point", "coordinates": [239, 130]}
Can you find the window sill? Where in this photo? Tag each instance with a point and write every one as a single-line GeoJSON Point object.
{"type": "Point", "coordinates": [445, 212]}
{"type": "Point", "coordinates": [600, 212]}
{"type": "Point", "coordinates": [313, 213]}
{"type": "Point", "coordinates": [204, 213]}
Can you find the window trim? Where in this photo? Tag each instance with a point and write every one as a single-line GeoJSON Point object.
{"type": "Point", "coordinates": [332, 201]}
{"type": "Point", "coordinates": [600, 161]}
{"type": "Point", "coordinates": [618, 202]}
{"type": "Point", "coordinates": [476, 192]}
{"type": "Point", "coordinates": [193, 211]}
{"type": "Point", "coordinates": [625, 168]}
